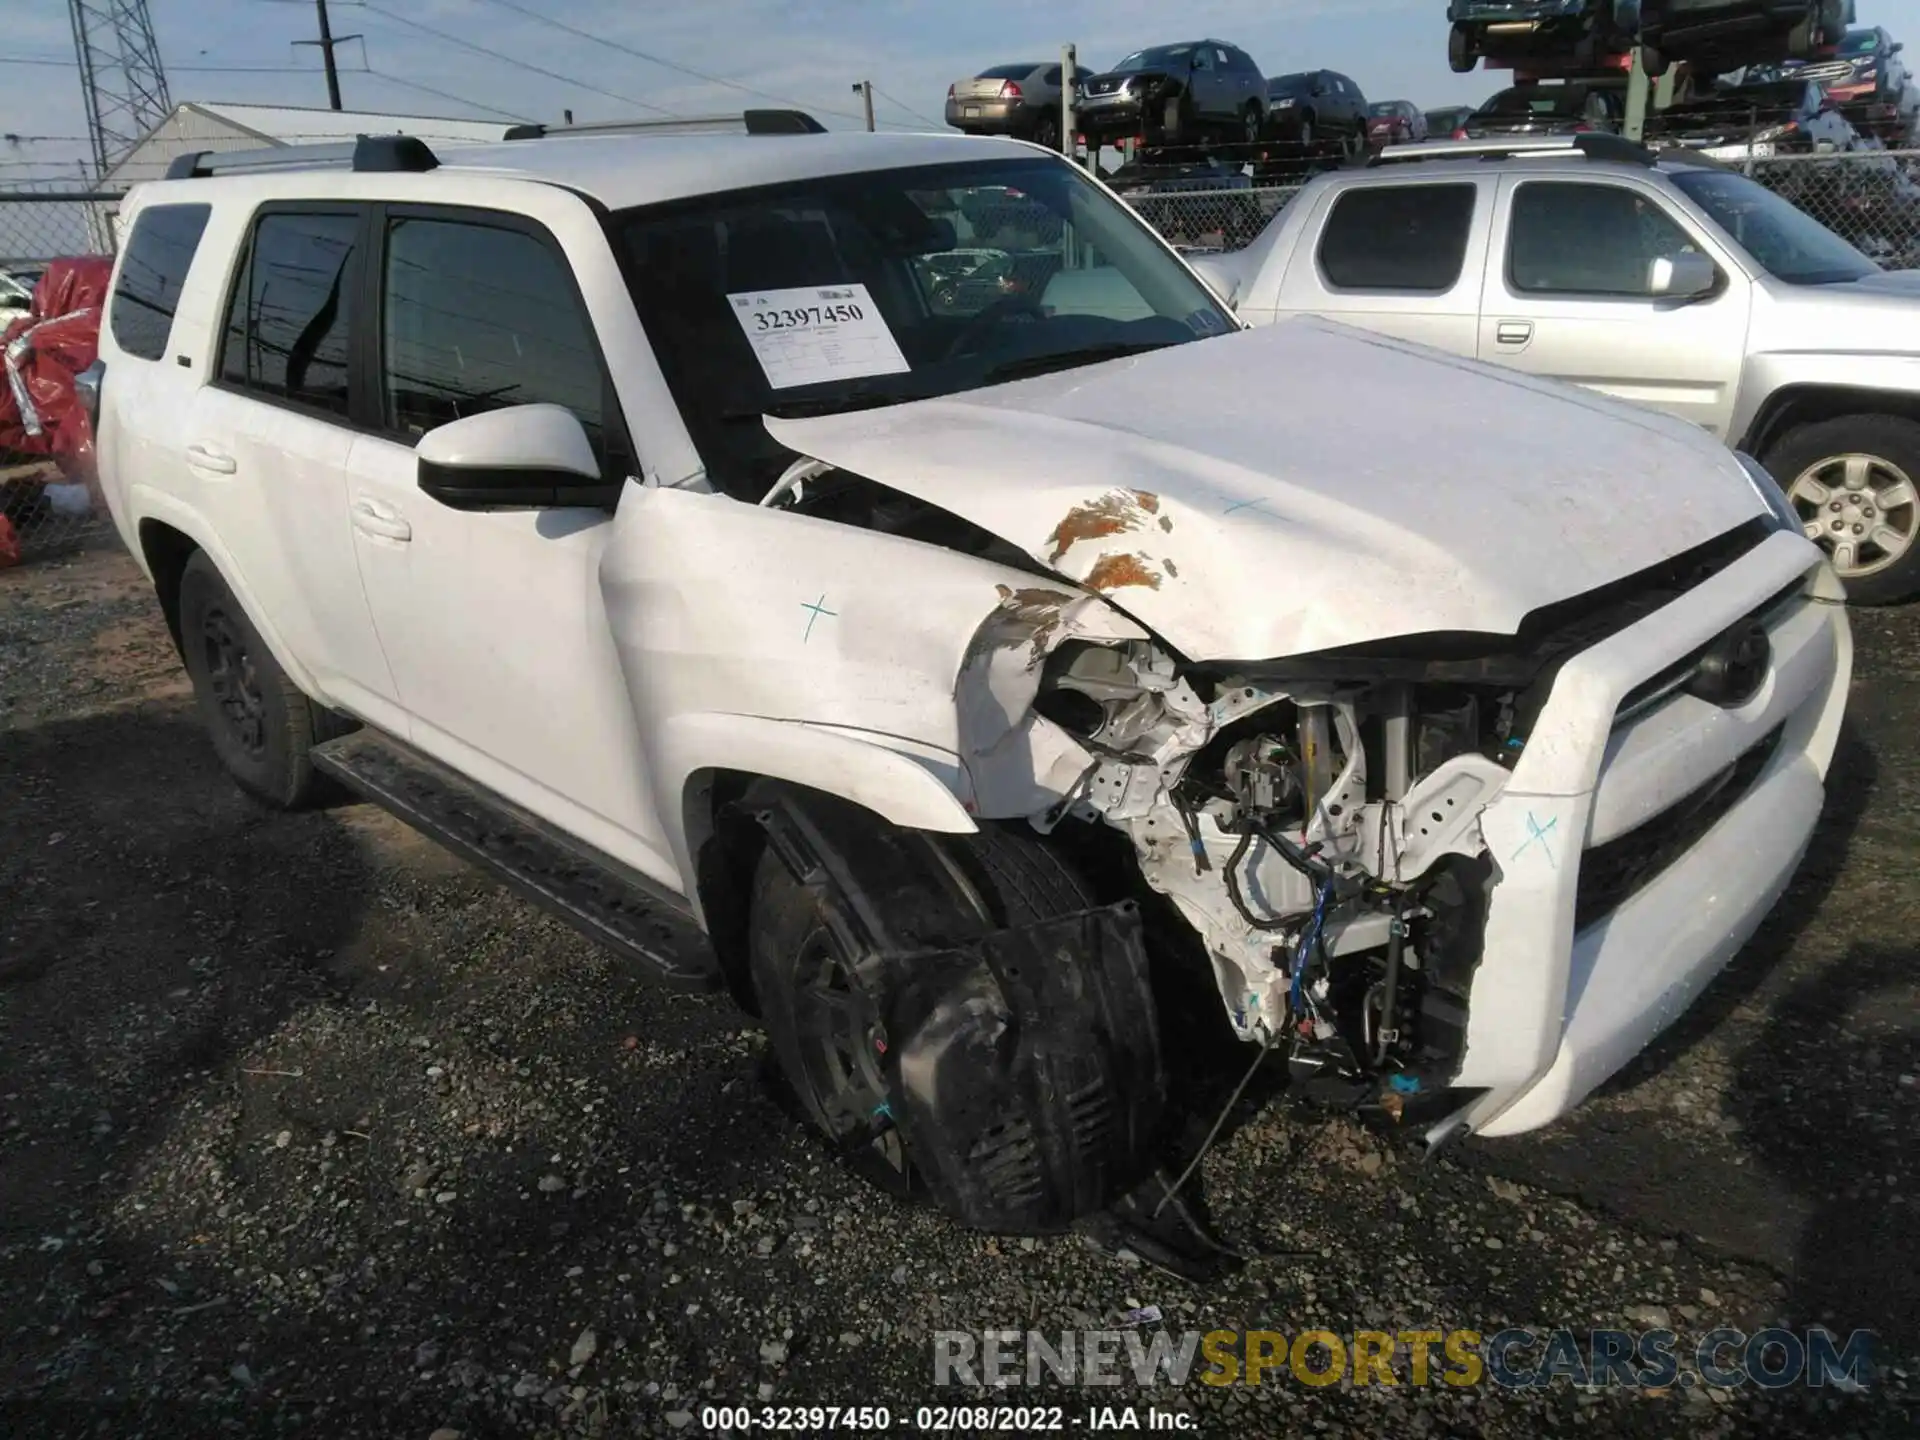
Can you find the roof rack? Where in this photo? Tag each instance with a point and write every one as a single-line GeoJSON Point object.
{"type": "Point", "coordinates": [369, 154]}
{"type": "Point", "coordinates": [749, 122]}
{"type": "Point", "coordinates": [1595, 146]}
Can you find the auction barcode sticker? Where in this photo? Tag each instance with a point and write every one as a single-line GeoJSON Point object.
{"type": "Point", "coordinates": [814, 333]}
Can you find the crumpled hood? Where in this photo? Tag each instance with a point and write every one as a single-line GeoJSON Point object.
{"type": "Point", "coordinates": [1304, 486]}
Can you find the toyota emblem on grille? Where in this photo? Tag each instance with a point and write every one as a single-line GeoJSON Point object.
{"type": "Point", "coordinates": [1733, 667]}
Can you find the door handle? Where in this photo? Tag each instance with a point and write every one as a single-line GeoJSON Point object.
{"type": "Point", "coordinates": [376, 517]}
{"type": "Point", "coordinates": [205, 457]}
{"type": "Point", "coordinates": [1513, 332]}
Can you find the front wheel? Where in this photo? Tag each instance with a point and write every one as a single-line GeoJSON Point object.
{"type": "Point", "coordinates": [1462, 55]}
{"type": "Point", "coordinates": [1016, 1084]}
{"type": "Point", "coordinates": [262, 726]}
{"type": "Point", "coordinates": [1853, 481]}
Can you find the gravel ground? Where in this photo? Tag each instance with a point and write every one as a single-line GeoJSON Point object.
{"type": "Point", "coordinates": [307, 1128]}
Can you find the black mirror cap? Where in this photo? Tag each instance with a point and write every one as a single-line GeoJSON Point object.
{"type": "Point", "coordinates": [479, 487]}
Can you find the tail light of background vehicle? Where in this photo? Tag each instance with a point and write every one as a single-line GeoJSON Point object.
{"type": "Point", "coordinates": [950, 92]}
{"type": "Point", "coordinates": [1460, 133]}
{"type": "Point", "coordinates": [1009, 90]}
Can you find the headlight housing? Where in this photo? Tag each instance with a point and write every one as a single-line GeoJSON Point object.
{"type": "Point", "coordinates": [1779, 507]}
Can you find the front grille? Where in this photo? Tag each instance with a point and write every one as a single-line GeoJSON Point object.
{"type": "Point", "coordinates": [1103, 87]}
{"type": "Point", "coordinates": [1613, 873]}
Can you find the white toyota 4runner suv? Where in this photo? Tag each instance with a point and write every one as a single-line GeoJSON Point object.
{"type": "Point", "coordinates": [983, 657]}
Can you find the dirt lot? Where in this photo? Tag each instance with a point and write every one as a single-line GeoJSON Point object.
{"type": "Point", "coordinates": [306, 1128]}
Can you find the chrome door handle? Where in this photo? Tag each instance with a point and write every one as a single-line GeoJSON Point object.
{"type": "Point", "coordinates": [374, 517]}
{"type": "Point", "coordinates": [204, 457]}
{"type": "Point", "coordinates": [1513, 332]}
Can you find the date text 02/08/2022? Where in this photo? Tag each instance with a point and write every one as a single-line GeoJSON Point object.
{"type": "Point", "coordinates": [940, 1419]}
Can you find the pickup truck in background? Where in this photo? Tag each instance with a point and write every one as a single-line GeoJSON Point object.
{"type": "Point", "coordinates": [1667, 280]}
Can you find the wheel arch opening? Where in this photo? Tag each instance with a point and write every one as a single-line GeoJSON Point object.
{"type": "Point", "coordinates": [166, 552]}
{"type": "Point", "coordinates": [1792, 406]}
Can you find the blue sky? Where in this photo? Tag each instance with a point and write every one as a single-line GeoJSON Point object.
{"type": "Point", "coordinates": [809, 51]}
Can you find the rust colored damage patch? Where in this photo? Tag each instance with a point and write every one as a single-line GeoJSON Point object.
{"type": "Point", "coordinates": [1029, 617]}
{"type": "Point", "coordinates": [1116, 571]}
{"type": "Point", "coordinates": [1113, 513]}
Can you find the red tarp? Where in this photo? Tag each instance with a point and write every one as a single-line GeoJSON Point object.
{"type": "Point", "coordinates": [42, 351]}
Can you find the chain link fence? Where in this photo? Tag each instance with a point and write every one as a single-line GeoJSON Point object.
{"type": "Point", "coordinates": [50, 508]}
{"type": "Point", "coordinates": [1869, 198]}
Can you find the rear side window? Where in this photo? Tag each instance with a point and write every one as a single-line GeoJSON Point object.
{"type": "Point", "coordinates": [152, 276]}
{"type": "Point", "coordinates": [478, 317]}
{"type": "Point", "coordinates": [291, 313]}
{"type": "Point", "coordinates": [1398, 237]}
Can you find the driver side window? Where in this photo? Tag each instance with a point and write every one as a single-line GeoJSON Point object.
{"type": "Point", "coordinates": [1574, 238]}
{"type": "Point", "coordinates": [476, 317]}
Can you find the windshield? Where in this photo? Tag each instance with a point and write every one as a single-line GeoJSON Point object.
{"type": "Point", "coordinates": [1383, 107]}
{"type": "Point", "coordinates": [1160, 57]}
{"type": "Point", "coordinates": [850, 291]}
{"type": "Point", "coordinates": [1772, 100]}
{"type": "Point", "coordinates": [1861, 42]}
{"type": "Point", "coordinates": [1007, 72]}
{"type": "Point", "coordinates": [1786, 242]}
{"type": "Point", "coordinates": [1561, 100]}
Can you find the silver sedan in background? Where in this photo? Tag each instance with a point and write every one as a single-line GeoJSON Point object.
{"type": "Point", "coordinates": [1022, 100]}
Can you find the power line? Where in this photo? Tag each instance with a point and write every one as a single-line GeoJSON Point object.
{"type": "Point", "coordinates": [188, 69]}
{"type": "Point", "coordinates": [908, 109]}
{"type": "Point", "coordinates": [651, 59]}
{"type": "Point", "coordinates": [515, 61]}
{"type": "Point", "coordinates": [444, 95]}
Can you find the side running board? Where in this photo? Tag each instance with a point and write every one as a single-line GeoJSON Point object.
{"type": "Point", "coordinates": [601, 898]}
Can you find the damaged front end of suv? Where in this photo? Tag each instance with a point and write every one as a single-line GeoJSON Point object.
{"type": "Point", "coordinates": [1481, 819]}
{"type": "Point", "coordinates": [1009, 681]}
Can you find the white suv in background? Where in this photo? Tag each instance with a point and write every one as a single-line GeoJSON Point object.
{"type": "Point", "coordinates": [655, 520]}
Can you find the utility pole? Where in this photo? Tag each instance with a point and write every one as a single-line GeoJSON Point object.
{"type": "Point", "coordinates": [864, 89]}
{"type": "Point", "coordinates": [327, 41]}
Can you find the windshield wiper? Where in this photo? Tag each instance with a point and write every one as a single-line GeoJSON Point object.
{"type": "Point", "coordinates": [860, 397]}
{"type": "Point", "coordinates": [1070, 359]}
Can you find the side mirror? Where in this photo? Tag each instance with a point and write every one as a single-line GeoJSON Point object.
{"type": "Point", "coordinates": [515, 458]}
{"type": "Point", "coordinates": [1686, 276]}
{"type": "Point", "coordinates": [1896, 47]}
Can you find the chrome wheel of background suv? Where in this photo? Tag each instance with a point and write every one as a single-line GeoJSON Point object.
{"type": "Point", "coordinates": [1861, 508]}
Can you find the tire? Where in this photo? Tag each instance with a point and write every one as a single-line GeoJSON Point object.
{"type": "Point", "coordinates": [1173, 121]}
{"type": "Point", "coordinates": [795, 955]}
{"type": "Point", "coordinates": [1868, 466]}
{"type": "Point", "coordinates": [1046, 130]}
{"type": "Point", "coordinates": [1461, 55]}
{"type": "Point", "coordinates": [1652, 61]}
{"type": "Point", "coordinates": [261, 724]}
{"type": "Point", "coordinates": [1251, 124]}
{"type": "Point", "coordinates": [1306, 132]}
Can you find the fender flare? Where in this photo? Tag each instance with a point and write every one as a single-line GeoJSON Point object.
{"type": "Point", "coordinates": [146, 503]}
{"type": "Point", "coordinates": [906, 784]}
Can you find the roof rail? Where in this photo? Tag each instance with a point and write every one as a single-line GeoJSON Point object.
{"type": "Point", "coordinates": [750, 122]}
{"type": "Point", "coordinates": [1597, 145]}
{"type": "Point", "coordinates": [368, 154]}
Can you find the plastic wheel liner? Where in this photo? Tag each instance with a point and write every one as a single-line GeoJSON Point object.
{"type": "Point", "coordinates": [1023, 1064]}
